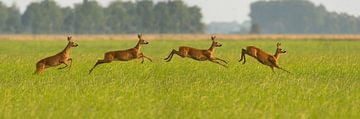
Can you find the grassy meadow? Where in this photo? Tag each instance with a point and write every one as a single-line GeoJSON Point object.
{"type": "Point", "coordinates": [325, 81]}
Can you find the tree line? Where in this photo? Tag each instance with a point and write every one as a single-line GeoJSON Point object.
{"type": "Point", "coordinates": [89, 17]}
{"type": "Point", "coordinates": [300, 17]}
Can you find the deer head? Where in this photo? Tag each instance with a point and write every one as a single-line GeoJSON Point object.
{"type": "Point", "coordinates": [71, 43]}
{"type": "Point", "coordinates": [214, 43]}
{"type": "Point", "coordinates": [279, 49]}
{"type": "Point", "coordinates": [141, 41]}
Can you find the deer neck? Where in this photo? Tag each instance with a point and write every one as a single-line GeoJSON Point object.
{"type": "Point", "coordinates": [277, 55]}
{"type": "Point", "coordinates": [66, 51]}
{"type": "Point", "coordinates": [137, 46]}
{"type": "Point", "coordinates": [211, 49]}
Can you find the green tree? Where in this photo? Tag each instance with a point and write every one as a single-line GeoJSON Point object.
{"type": "Point", "coordinates": [162, 16]}
{"type": "Point", "coordinates": [300, 17]}
{"type": "Point", "coordinates": [116, 18]}
{"type": "Point", "coordinates": [255, 29]}
{"type": "Point", "coordinates": [89, 18]}
{"type": "Point", "coordinates": [13, 21]}
{"type": "Point", "coordinates": [145, 16]}
{"type": "Point", "coordinates": [195, 26]}
{"type": "Point", "coordinates": [3, 18]}
{"type": "Point", "coordinates": [44, 17]}
{"type": "Point", "coordinates": [69, 20]}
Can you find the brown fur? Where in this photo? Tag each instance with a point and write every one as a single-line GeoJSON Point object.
{"type": "Point", "coordinates": [197, 54]}
{"type": "Point", "coordinates": [263, 57]}
{"type": "Point", "coordinates": [124, 55]}
{"type": "Point", "coordinates": [60, 58]}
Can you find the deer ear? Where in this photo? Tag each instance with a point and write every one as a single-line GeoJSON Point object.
{"type": "Point", "coordinates": [278, 44]}
{"type": "Point", "coordinates": [139, 35]}
{"type": "Point", "coordinates": [213, 37]}
{"type": "Point", "coordinates": [69, 38]}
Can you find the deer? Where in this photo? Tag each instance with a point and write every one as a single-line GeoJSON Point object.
{"type": "Point", "coordinates": [264, 58]}
{"type": "Point", "coordinates": [124, 55]}
{"type": "Point", "coordinates": [62, 57]}
{"type": "Point", "coordinates": [197, 54]}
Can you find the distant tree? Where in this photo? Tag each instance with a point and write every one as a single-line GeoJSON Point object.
{"type": "Point", "coordinates": [13, 21]}
{"type": "Point", "coordinates": [44, 17]}
{"type": "Point", "coordinates": [130, 21]}
{"type": "Point", "coordinates": [69, 20]}
{"type": "Point", "coordinates": [116, 18]}
{"type": "Point", "coordinates": [300, 17]}
{"type": "Point", "coordinates": [255, 29]}
{"type": "Point", "coordinates": [3, 18]}
{"type": "Point", "coordinates": [178, 17]}
{"type": "Point", "coordinates": [145, 16]}
{"type": "Point", "coordinates": [196, 26]}
{"type": "Point", "coordinates": [162, 16]}
{"type": "Point", "coordinates": [89, 18]}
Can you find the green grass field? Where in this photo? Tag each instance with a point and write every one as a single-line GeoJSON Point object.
{"type": "Point", "coordinates": [325, 82]}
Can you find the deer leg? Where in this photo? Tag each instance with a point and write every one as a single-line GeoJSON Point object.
{"type": "Point", "coordinates": [277, 66]}
{"type": "Point", "coordinates": [172, 54]}
{"type": "Point", "coordinates": [99, 62]}
{"type": "Point", "coordinates": [244, 60]}
{"type": "Point", "coordinates": [66, 65]}
{"type": "Point", "coordinates": [218, 63]}
{"type": "Point", "coordinates": [273, 69]}
{"type": "Point", "coordinates": [148, 58]}
{"type": "Point", "coordinates": [220, 60]}
{"type": "Point", "coordinates": [242, 55]}
{"type": "Point", "coordinates": [63, 67]}
{"type": "Point", "coordinates": [143, 56]}
{"type": "Point", "coordinates": [142, 59]}
{"type": "Point", "coordinates": [282, 69]}
{"type": "Point", "coordinates": [71, 62]}
{"type": "Point", "coordinates": [243, 52]}
{"type": "Point", "coordinates": [39, 68]}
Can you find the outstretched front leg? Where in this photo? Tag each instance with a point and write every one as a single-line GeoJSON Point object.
{"type": "Point", "coordinates": [218, 63]}
{"type": "Point", "coordinates": [277, 66]}
{"type": "Point", "coordinates": [283, 69]}
{"type": "Point", "coordinates": [243, 52]}
{"type": "Point", "coordinates": [220, 60]}
{"type": "Point", "coordinates": [143, 56]}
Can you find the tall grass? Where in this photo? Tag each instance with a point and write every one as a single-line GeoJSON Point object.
{"type": "Point", "coordinates": [324, 82]}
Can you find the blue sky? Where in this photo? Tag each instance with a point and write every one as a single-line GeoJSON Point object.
{"type": "Point", "coordinates": [220, 10]}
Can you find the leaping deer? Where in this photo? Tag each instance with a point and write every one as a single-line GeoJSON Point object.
{"type": "Point", "coordinates": [197, 54]}
{"type": "Point", "coordinates": [263, 57]}
{"type": "Point", "coordinates": [124, 55]}
{"type": "Point", "coordinates": [60, 58]}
